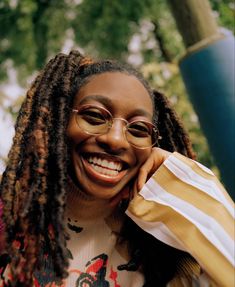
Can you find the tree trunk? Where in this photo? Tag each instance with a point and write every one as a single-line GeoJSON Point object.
{"type": "Point", "coordinates": [194, 19]}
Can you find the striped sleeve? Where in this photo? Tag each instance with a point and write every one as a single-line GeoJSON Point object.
{"type": "Point", "coordinates": [185, 206]}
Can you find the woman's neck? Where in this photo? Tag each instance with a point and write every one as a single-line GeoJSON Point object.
{"type": "Point", "coordinates": [85, 206]}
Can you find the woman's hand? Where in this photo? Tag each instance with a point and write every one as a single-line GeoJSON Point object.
{"type": "Point", "coordinates": [156, 158]}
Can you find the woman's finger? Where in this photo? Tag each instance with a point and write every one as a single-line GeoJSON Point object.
{"type": "Point", "coordinates": [155, 160]}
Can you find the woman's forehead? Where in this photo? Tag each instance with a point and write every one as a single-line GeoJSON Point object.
{"type": "Point", "coordinates": [115, 88]}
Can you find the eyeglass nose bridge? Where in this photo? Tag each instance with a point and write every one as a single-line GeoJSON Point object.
{"type": "Point", "coordinates": [111, 122]}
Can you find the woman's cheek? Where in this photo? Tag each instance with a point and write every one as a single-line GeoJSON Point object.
{"type": "Point", "coordinates": [143, 155]}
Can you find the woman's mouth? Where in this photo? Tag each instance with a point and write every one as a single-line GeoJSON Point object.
{"type": "Point", "coordinates": [104, 166]}
{"type": "Point", "coordinates": [104, 169]}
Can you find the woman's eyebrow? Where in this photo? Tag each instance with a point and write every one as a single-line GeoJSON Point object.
{"type": "Point", "coordinates": [99, 98]}
{"type": "Point", "coordinates": [141, 112]}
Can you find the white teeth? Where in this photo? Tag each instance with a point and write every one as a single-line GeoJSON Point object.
{"type": "Point", "coordinates": [105, 170]}
{"type": "Point", "coordinates": [104, 166]}
{"type": "Point", "coordinates": [111, 165]}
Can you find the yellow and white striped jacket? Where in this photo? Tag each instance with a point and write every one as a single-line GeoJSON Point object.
{"type": "Point", "coordinates": [185, 206]}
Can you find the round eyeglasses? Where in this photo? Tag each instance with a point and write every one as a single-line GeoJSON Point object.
{"type": "Point", "coordinates": [95, 120]}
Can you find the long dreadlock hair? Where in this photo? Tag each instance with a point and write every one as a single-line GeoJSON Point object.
{"type": "Point", "coordinates": [33, 186]}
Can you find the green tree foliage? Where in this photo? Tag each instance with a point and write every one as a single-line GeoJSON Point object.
{"type": "Point", "coordinates": [105, 27]}
{"type": "Point", "coordinates": [31, 30]}
{"type": "Point", "coordinates": [225, 10]}
{"type": "Point", "coordinates": [34, 30]}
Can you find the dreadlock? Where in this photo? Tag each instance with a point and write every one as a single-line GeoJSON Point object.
{"type": "Point", "coordinates": [173, 136]}
{"type": "Point", "coordinates": [35, 178]}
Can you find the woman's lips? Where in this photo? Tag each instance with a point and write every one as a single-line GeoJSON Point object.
{"type": "Point", "coordinates": [103, 169]}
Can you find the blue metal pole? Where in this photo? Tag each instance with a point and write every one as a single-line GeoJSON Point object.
{"type": "Point", "coordinates": [208, 74]}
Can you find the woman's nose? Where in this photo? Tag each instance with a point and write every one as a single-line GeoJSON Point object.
{"type": "Point", "coordinates": [115, 139]}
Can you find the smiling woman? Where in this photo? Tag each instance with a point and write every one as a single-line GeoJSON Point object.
{"type": "Point", "coordinates": [101, 188]}
{"type": "Point", "coordinates": [108, 148]}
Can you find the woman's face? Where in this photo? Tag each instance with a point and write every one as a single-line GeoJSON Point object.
{"type": "Point", "coordinates": [104, 164]}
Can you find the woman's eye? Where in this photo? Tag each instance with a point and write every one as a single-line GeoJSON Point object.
{"type": "Point", "coordinates": [93, 116]}
{"type": "Point", "coordinates": [139, 129]}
